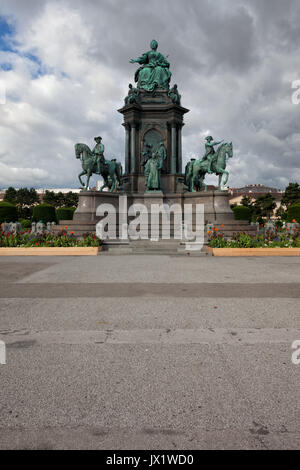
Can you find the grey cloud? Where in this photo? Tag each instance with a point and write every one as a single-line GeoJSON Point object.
{"type": "Point", "coordinates": [233, 61]}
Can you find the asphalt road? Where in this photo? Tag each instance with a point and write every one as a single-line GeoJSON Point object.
{"type": "Point", "coordinates": [149, 352]}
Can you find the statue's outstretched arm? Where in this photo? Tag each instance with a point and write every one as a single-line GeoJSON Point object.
{"type": "Point", "coordinates": [140, 60]}
{"type": "Point", "coordinates": [211, 144]}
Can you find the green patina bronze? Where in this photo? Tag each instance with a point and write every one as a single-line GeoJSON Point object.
{"type": "Point", "coordinates": [154, 165]}
{"type": "Point", "coordinates": [154, 71]}
{"type": "Point", "coordinates": [152, 173]}
{"type": "Point", "coordinates": [146, 153]}
{"type": "Point", "coordinates": [133, 95]}
{"type": "Point", "coordinates": [212, 162]}
{"type": "Point", "coordinates": [93, 161]}
{"type": "Point", "coordinates": [210, 151]}
{"type": "Point", "coordinates": [174, 95]}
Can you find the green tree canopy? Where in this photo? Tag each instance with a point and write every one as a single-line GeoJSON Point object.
{"type": "Point", "coordinates": [50, 198]}
{"type": "Point", "coordinates": [26, 197]}
{"type": "Point", "coordinates": [60, 199]}
{"type": "Point", "coordinates": [291, 195]}
{"type": "Point", "coordinates": [246, 201]}
{"type": "Point", "coordinates": [10, 195]}
{"type": "Point", "coordinates": [263, 206]}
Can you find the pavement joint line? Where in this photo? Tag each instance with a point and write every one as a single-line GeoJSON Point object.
{"type": "Point", "coordinates": [233, 336]}
{"type": "Point", "coordinates": [141, 289]}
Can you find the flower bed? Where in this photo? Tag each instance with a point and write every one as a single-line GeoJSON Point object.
{"type": "Point", "coordinates": [27, 239]}
{"type": "Point", "coordinates": [281, 242]}
{"type": "Point", "coordinates": [280, 238]}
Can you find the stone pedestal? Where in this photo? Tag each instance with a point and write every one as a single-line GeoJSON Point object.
{"type": "Point", "coordinates": [156, 118]}
{"type": "Point", "coordinates": [216, 206]}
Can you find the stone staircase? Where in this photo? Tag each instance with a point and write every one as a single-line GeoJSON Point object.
{"type": "Point", "coordinates": [148, 247]}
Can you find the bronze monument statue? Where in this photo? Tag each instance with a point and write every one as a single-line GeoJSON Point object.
{"type": "Point", "coordinates": [93, 161]}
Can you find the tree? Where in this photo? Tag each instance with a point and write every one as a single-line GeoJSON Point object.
{"type": "Point", "coordinates": [60, 199]}
{"type": "Point", "coordinates": [27, 197]}
{"type": "Point", "coordinates": [246, 201]}
{"type": "Point", "coordinates": [263, 206]}
{"type": "Point", "coordinates": [10, 195]}
{"type": "Point", "coordinates": [71, 199]}
{"type": "Point", "coordinates": [281, 212]}
{"type": "Point", "coordinates": [291, 195]}
{"type": "Point", "coordinates": [50, 198]}
{"type": "Point", "coordinates": [293, 213]}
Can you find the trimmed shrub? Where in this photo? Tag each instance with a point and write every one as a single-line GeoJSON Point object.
{"type": "Point", "coordinates": [8, 212]}
{"type": "Point", "coordinates": [25, 212]}
{"type": "Point", "coordinates": [65, 213]}
{"type": "Point", "coordinates": [44, 213]}
{"type": "Point", "coordinates": [242, 213]}
{"type": "Point", "coordinates": [293, 213]}
{"type": "Point", "coordinates": [25, 223]}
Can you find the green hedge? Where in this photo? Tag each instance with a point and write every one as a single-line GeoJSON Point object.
{"type": "Point", "coordinates": [65, 213]}
{"type": "Point", "coordinates": [293, 212]}
{"type": "Point", "coordinates": [242, 213]}
{"type": "Point", "coordinates": [44, 213]}
{"type": "Point", "coordinates": [8, 212]}
{"type": "Point", "coordinates": [25, 223]}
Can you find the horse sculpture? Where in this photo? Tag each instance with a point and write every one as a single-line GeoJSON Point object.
{"type": "Point", "coordinates": [111, 171]}
{"type": "Point", "coordinates": [198, 169]}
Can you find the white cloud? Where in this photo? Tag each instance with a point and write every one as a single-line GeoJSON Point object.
{"type": "Point", "coordinates": [233, 62]}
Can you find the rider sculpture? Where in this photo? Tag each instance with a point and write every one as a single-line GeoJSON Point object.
{"type": "Point", "coordinates": [98, 152]}
{"type": "Point", "coordinates": [93, 161]}
{"type": "Point", "coordinates": [210, 151]}
{"type": "Point", "coordinates": [213, 162]}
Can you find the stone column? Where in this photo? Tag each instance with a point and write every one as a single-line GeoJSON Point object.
{"type": "Point", "coordinates": [179, 150]}
{"type": "Point", "coordinates": [173, 149]}
{"type": "Point", "coordinates": [133, 156]}
{"type": "Point", "coordinates": [127, 149]}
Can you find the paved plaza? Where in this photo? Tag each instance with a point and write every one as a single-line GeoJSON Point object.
{"type": "Point", "coordinates": [149, 352]}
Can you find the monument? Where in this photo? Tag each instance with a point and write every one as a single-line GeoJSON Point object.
{"type": "Point", "coordinates": [153, 122]}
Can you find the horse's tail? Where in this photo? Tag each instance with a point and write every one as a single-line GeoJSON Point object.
{"type": "Point", "coordinates": [119, 171]}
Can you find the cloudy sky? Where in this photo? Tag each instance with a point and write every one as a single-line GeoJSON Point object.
{"type": "Point", "coordinates": [65, 67]}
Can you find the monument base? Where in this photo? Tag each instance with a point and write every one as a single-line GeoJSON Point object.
{"type": "Point", "coordinates": [216, 210]}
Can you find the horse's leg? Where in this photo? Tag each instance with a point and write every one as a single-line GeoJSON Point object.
{"type": "Point", "coordinates": [113, 186]}
{"type": "Point", "coordinates": [220, 180]}
{"type": "Point", "coordinates": [104, 185]}
{"type": "Point", "coordinates": [227, 176]}
{"type": "Point", "coordinates": [88, 180]}
{"type": "Point", "coordinates": [84, 172]}
{"type": "Point", "coordinates": [113, 178]}
{"type": "Point", "coordinates": [192, 189]}
{"type": "Point", "coordinates": [192, 186]}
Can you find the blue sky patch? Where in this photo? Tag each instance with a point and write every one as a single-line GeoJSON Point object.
{"type": "Point", "coordinates": [6, 31]}
{"type": "Point", "coordinates": [7, 44]}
